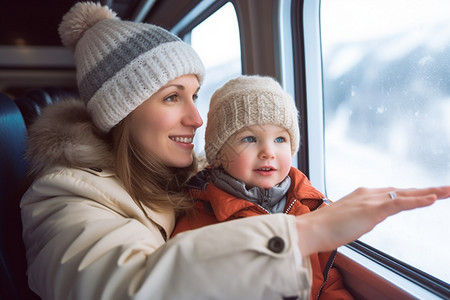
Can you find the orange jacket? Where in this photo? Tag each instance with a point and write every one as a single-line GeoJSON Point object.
{"type": "Point", "coordinates": [214, 205]}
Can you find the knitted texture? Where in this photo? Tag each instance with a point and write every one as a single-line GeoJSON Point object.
{"type": "Point", "coordinates": [120, 64]}
{"type": "Point", "coordinates": [246, 101]}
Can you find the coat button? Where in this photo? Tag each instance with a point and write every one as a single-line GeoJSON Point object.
{"type": "Point", "coordinates": [276, 244]}
{"type": "Point", "coordinates": [95, 169]}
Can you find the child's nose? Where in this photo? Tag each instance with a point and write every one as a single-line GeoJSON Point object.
{"type": "Point", "coordinates": [266, 152]}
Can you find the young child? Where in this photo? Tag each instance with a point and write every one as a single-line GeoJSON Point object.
{"type": "Point", "coordinates": [251, 136]}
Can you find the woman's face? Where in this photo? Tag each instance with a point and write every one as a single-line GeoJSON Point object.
{"type": "Point", "coordinates": [165, 123]}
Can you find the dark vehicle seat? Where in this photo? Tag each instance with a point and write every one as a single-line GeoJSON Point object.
{"type": "Point", "coordinates": [13, 167]}
{"type": "Point", "coordinates": [32, 101]}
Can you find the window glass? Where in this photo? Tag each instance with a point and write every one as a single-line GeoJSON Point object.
{"type": "Point", "coordinates": [386, 72]}
{"type": "Point", "coordinates": [217, 42]}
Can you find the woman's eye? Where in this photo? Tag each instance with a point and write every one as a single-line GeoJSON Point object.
{"type": "Point", "coordinates": [171, 98]}
{"type": "Point", "coordinates": [280, 139]}
{"type": "Point", "coordinates": [249, 139]}
{"type": "Point", "coordinates": [195, 97]}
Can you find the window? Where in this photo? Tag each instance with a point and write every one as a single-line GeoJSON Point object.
{"type": "Point", "coordinates": [386, 108]}
{"type": "Point", "coordinates": [217, 42]}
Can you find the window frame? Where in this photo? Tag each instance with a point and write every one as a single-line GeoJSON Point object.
{"type": "Point", "coordinates": [196, 16]}
{"type": "Point", "coordinates": [308, 74]}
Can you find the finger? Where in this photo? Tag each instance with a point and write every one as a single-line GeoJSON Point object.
{"type": "Point", "coordinates": [440, 192]}
{"type": "Point", "coordinates": [402, 203]}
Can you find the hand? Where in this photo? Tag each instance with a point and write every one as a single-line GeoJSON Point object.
{"type": "Point", "coordinates": [356, 214]}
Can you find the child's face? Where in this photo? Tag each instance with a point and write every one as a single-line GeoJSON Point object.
{"type": "Point", "coordinates": [258, 155]}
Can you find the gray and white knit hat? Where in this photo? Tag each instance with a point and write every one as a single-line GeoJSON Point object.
{"type": "Point", "coordinates": [246, 101]}
{"type": "Point", "coordinates": [120, 64]}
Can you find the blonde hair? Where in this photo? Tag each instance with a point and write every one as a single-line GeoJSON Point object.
{"type": "Point", "coordinates": [146, 178]}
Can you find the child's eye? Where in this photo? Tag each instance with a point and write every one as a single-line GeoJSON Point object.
{"type": "Point", "coordinates": [280, 139]}
{"type": "Point", "coordinates": [249, 139]}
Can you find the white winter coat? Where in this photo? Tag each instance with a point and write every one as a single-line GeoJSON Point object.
{"type": "Point", "coordinates": [87, 239]}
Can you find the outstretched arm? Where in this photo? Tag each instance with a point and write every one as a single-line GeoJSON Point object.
{"type": "Point", "coordinates": [358, 213]}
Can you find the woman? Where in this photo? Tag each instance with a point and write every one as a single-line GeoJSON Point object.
{"type": "Point", "coordinates": [108, 174]}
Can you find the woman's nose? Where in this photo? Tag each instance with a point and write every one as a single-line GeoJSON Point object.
{"type": "Point", "coordinates": [192, 116]}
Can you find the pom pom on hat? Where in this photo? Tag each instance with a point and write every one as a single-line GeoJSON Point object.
{"type": "Point", "coordinates": [120, 64]}
{"type": "Point", "coordinates": [246, 101]}
{"type": "Point", "coordinates": [81, 17]}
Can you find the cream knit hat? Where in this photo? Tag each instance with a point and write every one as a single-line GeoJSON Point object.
{"type": "Point", "coordinates": [246, 101]}
{"type": "Point", "coordinates": [120, 64]}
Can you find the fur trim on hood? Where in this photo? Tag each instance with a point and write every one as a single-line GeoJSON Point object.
{"type": "Point", "coordinates": [65, 135]}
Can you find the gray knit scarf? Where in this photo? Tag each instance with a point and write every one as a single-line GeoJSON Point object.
{"type": "Point", "coordinates": [273, 199]}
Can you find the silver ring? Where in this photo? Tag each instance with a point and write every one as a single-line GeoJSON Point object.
{"type": "Point", "coordinates": [393, 195]}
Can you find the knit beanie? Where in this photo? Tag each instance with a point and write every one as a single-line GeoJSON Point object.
{"type": "Point", "coordinates": [120, 64]}
{"type": "Point", "coordinates": [246, 101]}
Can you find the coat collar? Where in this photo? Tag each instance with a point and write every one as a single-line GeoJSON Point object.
{"type": "Point", "coordinates": [64, 135]}
{"type": "Point", "coordinates": [301, 194]}
{"type": "Point", "coordinates": [272, 199]}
